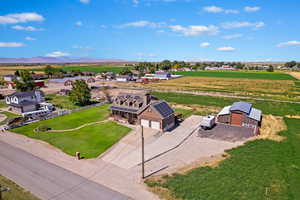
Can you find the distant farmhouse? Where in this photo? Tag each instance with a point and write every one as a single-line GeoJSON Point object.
{"type": "Point", "coordinates": [240, 114]}
{"type": "Point", "coordinates": [21, 102]}
{"type": "Point", "coordinates": [144, 110]}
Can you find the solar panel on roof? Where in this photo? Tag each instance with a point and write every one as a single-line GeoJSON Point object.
{"type": "Point", "coordinates": [164, 109]}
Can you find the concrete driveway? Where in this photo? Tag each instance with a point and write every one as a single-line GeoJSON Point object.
{"type": "Point", "coordinates": [166, 142]}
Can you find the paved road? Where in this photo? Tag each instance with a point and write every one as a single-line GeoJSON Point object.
{"type": "Point", "coordinates": [48, 181]}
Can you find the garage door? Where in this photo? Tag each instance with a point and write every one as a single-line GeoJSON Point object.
{"type": "Point", "coordinates": [155, 125]}
{"type": "Point", "coordinates": [145, 123]}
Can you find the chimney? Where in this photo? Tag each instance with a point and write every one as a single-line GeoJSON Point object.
{"type": "Point", "coordinates": [147, 98]}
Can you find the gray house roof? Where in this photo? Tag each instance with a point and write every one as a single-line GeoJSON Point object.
{"type": "Point", "coordinates": [255, 114]}
{"type": "Point", "coordinates": [25, 94]}
{"type": "Point", "coordinates": [241, 106]}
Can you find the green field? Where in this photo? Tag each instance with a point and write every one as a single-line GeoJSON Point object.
{"type": "Point", "coordinates": [261, 169]}
{"type": "Point", "coordinates": [268, 107]}
{"type": "Point", "coordinates": [96, 69]}
{"type": "Point", "coordinates": [239, 74]}
{"type": "Point", "coordinates": [9, 116]}
{"type": "Point", "coordinates": [90, 141]}
{"type": "Point", "coordinates": [16, 193]}
{"type": "Point", "coordinates": [2, 104]}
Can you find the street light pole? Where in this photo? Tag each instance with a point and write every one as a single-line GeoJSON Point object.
{"type": "Point", "coordinates": [143, 154]}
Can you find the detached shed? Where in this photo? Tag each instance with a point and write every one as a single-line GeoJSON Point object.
{"type": "Point", "coordinates": [159, 115]}
{"type": "Point", "coordinates": [240, 114]}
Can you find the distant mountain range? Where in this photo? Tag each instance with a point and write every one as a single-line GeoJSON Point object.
{"type": "Point", "coordinates": [57, 60]}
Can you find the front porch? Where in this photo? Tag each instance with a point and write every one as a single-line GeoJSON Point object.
{"type": "Point", "coordinates": [124, 117]}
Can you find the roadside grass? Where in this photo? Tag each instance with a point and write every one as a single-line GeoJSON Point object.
{"type": "Point", "coordinates": [261, 169]}
{"type": "Point", "coordinates": [268, 89]}
{"type": "Point", "coordinates": [90, 141]}
{"type": "Point", "coordinates": [3, 104]}
{"type": "Point", "coordinates": [16, 193]}
{"type": "Point", "coordinates": [268, 107]}
{"type": "Point", "coordinates": [70, 121]}
{"type": "Point", "coordinates": [62, 102]}
{"type": "Point", "coordinates": [240, 74]}
{"type": "Point", "coordinates": [9, 116]}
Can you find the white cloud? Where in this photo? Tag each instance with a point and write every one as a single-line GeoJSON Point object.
{"type": "Point", "coordinates": [82, 47]}
{"type": "Point", "coordinates": [143, 23]}
{"type": "Point", "coordinates": [226, 49]}
{"type": "Point", "coordinates": [146, 55]}
{"type": "Point", "coordinates": [231, 25]}
{"type": "Point", "coordinates": [195, 30]}
{"type": "Point", "coordinates": [233, 36]}
{"type": "Point", "coordinates": [289, 43]}
{"type": "Point", "coordinates": [135, 2]}
{"type": "Point", "coordinates": [30, 38]}
{"type": "Point", "coordinates": [26, 28]}
{"type": "Point", "coordinates": [21, 18]}
{"type": "Point", "coordinates": [205, 44]}
{"type": "Point", "coordinates": [252, 9]}
{"type": "Point", "coordinates": [215, 9]}
{"type": "Point", "coordinates": [85, 1]}
{"type": "Point", "coordinates": [57, 54]}
{"type": "Point", "coordinates": [78, 23]}
{"type": "Point", "coordinates": [11, 44]}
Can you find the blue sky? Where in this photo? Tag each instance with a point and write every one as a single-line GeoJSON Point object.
{"type": "Point", "coordinates": [153, 30]}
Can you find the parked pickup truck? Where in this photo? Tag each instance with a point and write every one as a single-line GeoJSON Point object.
{"type": "Point", "coordinates": [208, 122]}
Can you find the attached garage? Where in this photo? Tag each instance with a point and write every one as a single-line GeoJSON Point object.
{"type": "Point", "coordinates": [145, 123]}
{"type": "Point", "coordinates": [155, 125]}
{"type": "Point", "coordinates": [158, 115]}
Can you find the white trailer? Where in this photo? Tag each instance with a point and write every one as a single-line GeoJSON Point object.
{"type": "Point", "coordinates": [208, 122]}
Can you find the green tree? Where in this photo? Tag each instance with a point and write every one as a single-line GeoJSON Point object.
{"type": "Point", "coordinates": [26, 82]}
{"type": "Point", "coordinates": [80, 93]}
{"type": "Point", "coordinates": [49, 70]}
{"type": "Point", "coordinates": [126, 71]}
{"type": "Point", "coordinates": [290, 64]}
{"type": "Point", "coordinates": [270, 69]}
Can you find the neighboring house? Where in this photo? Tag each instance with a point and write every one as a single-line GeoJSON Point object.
{"type": "Point", "coordinates": [123, 78]}
{"type": "Point", "coordinates": [158, 115]}
{"type": "Point", "coordinates": [240, 114]}
{"type": "Point", "coordinates": [144, 110]}
{"type": "Point", "coordinates": [22, 102]}
{"type": "Point", "coordinates": [39, 83]}
{"type": "Point", "coordinates": [109, 76]}
{"type": "Point", "coordinates": [161, 75]}
{"type": "Point", "coordinates": [10, 78]}
{"type": "Point", "coordinates": [64, 92]}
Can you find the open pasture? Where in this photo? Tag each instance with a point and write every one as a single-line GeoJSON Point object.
{"type": "Point", "coordinates": [269, 89]}
{"type": "Point", "coordinates": [240, 74]}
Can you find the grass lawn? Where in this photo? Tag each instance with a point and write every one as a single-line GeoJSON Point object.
{"type": "Point", "coordinates": [268, 89]}
{"type": "Point", "coordinates": [261, 169]}
{"type": "Point", "coordinates": [16, 193]}
{"type": "Point", "coordinates": [274, 108]}
{"type": "Point", "coordinates": [9, 116]}
{"type": "Point", "coordinates": [59, 101]}
{"type": "Point", "coordinates": [240, 74]}
{"type": "Point", "coordinates": [3, 104]}
{"type": "Point", "coordinates": [76, 119]}
{"type": "Point", "coordinates": [90, 141]}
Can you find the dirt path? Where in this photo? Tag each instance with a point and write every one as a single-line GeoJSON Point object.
{"type": "Point", "coordinates": [79, 127]}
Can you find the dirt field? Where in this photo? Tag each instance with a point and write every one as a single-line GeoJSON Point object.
{"type": "Point", "coordinates": [295, 74]}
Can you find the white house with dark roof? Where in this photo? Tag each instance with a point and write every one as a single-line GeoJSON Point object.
{"type": "Point", "coordinates": [22, 102]}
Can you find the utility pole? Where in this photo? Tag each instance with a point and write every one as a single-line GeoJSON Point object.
{"type": "Point", "coordinates": [143, 154]}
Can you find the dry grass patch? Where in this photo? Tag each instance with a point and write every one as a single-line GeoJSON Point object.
{"type": "Point", "coordinates": [295, 74]}
{"type": "Point", "coordinates": [197, 108]}
{"type": "Point", "coordinates": [271, 126]}
{"type": "Point", "coordinates": [293, 116]}
{"type": "Point", "coordinates": [268, 88]}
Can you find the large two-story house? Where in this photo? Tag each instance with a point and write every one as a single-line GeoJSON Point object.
{"type": "Point", "coordinates": [22, 102]}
